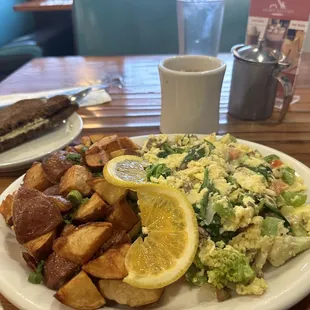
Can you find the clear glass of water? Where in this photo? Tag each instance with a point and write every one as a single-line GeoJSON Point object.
{"type": "Point", "coordinates": [200, 26]}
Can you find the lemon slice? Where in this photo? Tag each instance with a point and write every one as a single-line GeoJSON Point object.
{"type": "Point", "coordinates": [125, 171]}
{"type": "Point", "coordinates": [170, 238]}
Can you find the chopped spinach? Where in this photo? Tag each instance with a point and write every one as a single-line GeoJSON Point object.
{"type": "Point", "coordinates": [195, 153]}
{"type": "Point", "coordinates": [210, 145]}
{"type": "Point", "coordinates": [157, 170]}
{"type": "Point", "coordinates": [263, 170]}
{"type": "Point", "coordinates": [207, 183]}
{"type": "Point", "coordinates": [271, 205]}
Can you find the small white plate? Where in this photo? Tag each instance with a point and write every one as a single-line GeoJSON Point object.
{"type": "Point", "coordinates": [288, 284]}
{"type": "Point", "coordinates": [24, 155]}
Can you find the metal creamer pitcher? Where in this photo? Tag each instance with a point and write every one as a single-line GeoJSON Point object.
{"type": "Point", "coordinates": [256, 73]}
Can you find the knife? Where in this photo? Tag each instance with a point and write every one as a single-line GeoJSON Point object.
{"type": "Point", "coordinates": [80, 95]}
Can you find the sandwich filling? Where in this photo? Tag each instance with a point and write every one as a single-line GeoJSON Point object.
{"type": "Point", "coordinates": [28, 127]}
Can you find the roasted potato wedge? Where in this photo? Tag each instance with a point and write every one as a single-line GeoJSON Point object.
{"type": "Point", "coordinates": [55, 165]}
{"type": "Point", "coordinates": [76, 178]}
{"type": "Point", "coordinates": [126, 294]}
{"type": "Point", "coordinates": [122, 216]}
{"type": "Point", "coordinates": [34, 215]}
{"type": "Point", "coordinates": [122, 152]}
{"type": "Point", "coordinates": [52, 191]}
{"type": "Point", "coordinates": [58, 271]}
{"type": "Point", "coordinates": [36, 178]}
{"type": "Point", "coordinates": [80, 148]}
{"type": "Point", "coordinates": [127, 143]}
{"type": "Point", "coordinates": [93, 210]}
{"type": "Point", "coordinates": [6, 208]}
{"type": "Point", "coordinates": [41, 247]}
{"type": "Point", "coordinates": [67, 230]}
{"type": "Point", "coordinates": [80, 245]}
{"type": "Point", "coordinates": [86, 141]}
{"type": "Point", "coordinates": [62, 204]}
{"type": "Point", "coordinates": [108, 192]}
{"type": "Point", "coordinates": [80, 293]}
{"type": "Point", "coordinates": [109, 144]}
{"type": "Point", "coordinates": [96, 137]}
{"type": "Point", "coordinates": [118, 237]}
{"type": "Point", "coordinates": [97, 160]}
{"type": "Point", "coordinates": [110, 265]}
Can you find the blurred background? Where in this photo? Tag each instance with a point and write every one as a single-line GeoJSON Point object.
{"type": "Point", "coordinates": [37, 28]}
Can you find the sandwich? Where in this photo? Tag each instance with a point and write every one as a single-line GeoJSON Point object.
{"type": "Point", "coordinates": [30, 118]}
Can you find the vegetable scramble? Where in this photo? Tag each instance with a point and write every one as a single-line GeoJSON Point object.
{"type": "Point", "coordinates": [250, 208]}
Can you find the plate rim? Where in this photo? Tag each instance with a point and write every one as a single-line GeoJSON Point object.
{"type": "Point", "coordinates": [9, 167]}
{"type": "Point", "coordinates": [297, 292]}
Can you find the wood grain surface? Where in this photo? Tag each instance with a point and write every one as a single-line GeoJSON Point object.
{"type": "Point", "coordinates": [133, 84]}
{"type": "Point", "coordinates": [44, 6]}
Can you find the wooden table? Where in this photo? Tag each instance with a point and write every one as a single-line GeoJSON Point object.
{"type": "Point", "coordinates": [44, 6]}
{"type": "Point", "coordinates": [135, 109]}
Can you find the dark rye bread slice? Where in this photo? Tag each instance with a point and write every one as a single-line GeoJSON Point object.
{"type": "Point", "coordinates": [55, 110]}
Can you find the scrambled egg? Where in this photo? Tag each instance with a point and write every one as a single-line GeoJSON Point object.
{"type": "Point", "coordinates": [238, 196]}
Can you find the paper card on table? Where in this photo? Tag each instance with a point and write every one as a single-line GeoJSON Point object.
{"type": "Point", "coordinates": [284, 26]}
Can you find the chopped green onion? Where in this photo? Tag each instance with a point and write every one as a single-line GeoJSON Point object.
{"type": "Point", "coordinates": [75, 158]}
{"type": "Point", "coordinates": [36, 276]}
{"type": "Point", "coordinates": [75, 197]}
{"type": "Point", "coordinates": [84, 149]}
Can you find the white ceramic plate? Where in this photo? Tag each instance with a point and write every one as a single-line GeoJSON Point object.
{"type": "Point", "coordinates": [24, 155]}
{"type": "Point", "coordinates": [287, 284]}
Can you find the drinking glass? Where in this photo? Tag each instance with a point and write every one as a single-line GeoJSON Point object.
{"type": "Point", "coordinates": [200, 26]}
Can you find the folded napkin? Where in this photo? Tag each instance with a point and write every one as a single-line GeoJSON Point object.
{"type": "Point", "coordinates": [96, 96]}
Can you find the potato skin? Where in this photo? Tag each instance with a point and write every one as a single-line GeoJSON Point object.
{"type": "Point", "coordinates": [80, 293]}
{"type": "Point", "coordinates": [55, 165]}
{"type": "Point", "coordinates": [58, 270]}
{"type": "Point", "coordinates": [33, 215]}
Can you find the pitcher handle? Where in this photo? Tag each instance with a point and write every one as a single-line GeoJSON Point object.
{"type": "Point", "coordinates": [287, 97]}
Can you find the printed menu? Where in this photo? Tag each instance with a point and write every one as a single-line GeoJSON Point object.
{"type": "Point", "coordinates": [283, 25]}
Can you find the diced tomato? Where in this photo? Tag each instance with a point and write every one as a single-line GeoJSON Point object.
{"type": "Point", "coordinates": [278, 186]}
{"type": "Point", "coordinates": [276, 163]}
{"type": "Point", "coordinates": [233, 153]}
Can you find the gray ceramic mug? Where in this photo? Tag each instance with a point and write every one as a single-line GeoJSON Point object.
{"type": "Point", "coordinates": [256, 74]}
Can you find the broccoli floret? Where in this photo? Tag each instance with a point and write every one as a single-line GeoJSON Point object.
{"type": "Point", "coordinates": [225, 265]}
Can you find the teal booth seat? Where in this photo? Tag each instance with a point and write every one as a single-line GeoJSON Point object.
{"type": "Point", "coordinates": [127, 27]}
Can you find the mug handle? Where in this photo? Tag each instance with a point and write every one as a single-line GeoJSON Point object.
{"type": "Point", "coordinates": [288, 96]}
